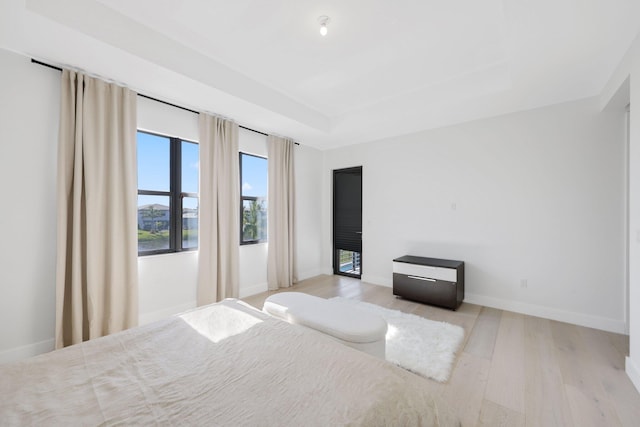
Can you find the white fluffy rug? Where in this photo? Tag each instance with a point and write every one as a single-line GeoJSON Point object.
{"type": "Point", "coordinates": [417, 344]}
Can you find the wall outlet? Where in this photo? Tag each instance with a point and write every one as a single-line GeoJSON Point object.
{"type": "Point", "coordinates": [523, 283]}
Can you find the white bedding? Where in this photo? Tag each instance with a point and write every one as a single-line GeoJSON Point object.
{"type": "Point", "coordinates": [225, 364]}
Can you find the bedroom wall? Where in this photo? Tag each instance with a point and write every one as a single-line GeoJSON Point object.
{"type": "Point", "coordinates": [633, 361]}
{"type": "Point", "coordinates": [29, 112]}
{"type": "Point", "coordinates": [29, 106]}
{"type": "Point", "coordinates": [623, 87]}
{"type": "Point", "coordinates": [536, 196]}
{"type": "Point", "coordinates": [309, 208]}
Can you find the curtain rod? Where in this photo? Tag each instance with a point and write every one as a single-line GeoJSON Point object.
{"type": "Point", "coordinates": [44, 64]}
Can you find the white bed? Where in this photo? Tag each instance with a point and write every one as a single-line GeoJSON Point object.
{"type": "Point", "coordinates": [224, 364]}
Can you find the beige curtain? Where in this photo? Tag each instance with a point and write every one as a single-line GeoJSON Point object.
{"type": "Point", "coordinates": [97, 258]}
{"type": "Point", "coordinates": [219, 234]}
{"type": "Point", "coordinates": [281, 265]}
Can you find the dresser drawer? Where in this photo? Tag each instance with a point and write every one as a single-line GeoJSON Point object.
{"type": "Point", "coordinates": [427, 271]}
{"type": "Point", "coordinates": [436, 292]}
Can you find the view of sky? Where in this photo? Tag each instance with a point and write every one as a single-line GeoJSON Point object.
{"type": "Point", "coordinates": [254, 176]}
{"type": "Point", "coordinates": [153, 170]}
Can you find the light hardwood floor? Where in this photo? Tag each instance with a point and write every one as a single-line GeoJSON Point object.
{"type": "Point", "coordinates": [513, 369]}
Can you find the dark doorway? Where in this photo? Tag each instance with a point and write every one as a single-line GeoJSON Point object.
{"type": "Point", "coordinates": [347, 222]}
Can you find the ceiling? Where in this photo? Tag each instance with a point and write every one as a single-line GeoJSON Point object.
{"type": "Point", "coordinates": [384, 69]}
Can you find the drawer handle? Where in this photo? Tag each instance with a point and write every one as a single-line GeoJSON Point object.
{"type": "Point", "coordinates": [421, 278]}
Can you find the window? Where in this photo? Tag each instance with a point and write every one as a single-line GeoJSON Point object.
{"type": "Point", "coordinates": [167, 194]}
{"type": "Point", "coordinates": [253, 204]}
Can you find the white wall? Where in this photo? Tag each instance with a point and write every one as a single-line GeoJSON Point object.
{"type": "Point", "coordinates": [309, 210]}
{"type": "Point", "coordinates": [29, 112]}
{"type": "Point", "coordinates": [624, 86]}
{"type": "Point", "coordinates": [535, 196]}
{"type": "Point", "coordinates": [622, 89]}
{"type": "Point", "coordinates": [633, 361]}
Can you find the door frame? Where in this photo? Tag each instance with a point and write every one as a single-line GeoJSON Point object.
{"type": "Point", "coordinates": [334, 252]}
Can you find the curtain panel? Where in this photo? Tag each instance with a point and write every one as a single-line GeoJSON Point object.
{"type": "Point", "coordinates": [97, 254]}
{"type": "Point", "coordinates": [281, 263]}
{"type": "Point", "coordinates": [219, 228]}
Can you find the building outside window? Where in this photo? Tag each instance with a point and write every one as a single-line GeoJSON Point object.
{"type": "Point", "coordinates": [253, 206]}
{"type": "Point", "coordinates": [167, 194]}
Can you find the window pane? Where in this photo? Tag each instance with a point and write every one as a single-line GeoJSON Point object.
{"type": "Point", "coordinates": [190, 163]}
{"type": "Point", "coordinates": [254, 198]}
{"type": "Point", "coordinates": [254, 220]}
{"type": "Point", "coordinates": [349, 261]}
{"type": "Point", "coordinates": [153, 162]}
{"type": "Point", "coordinates": [254, 176]}
{"type": "Point", "coordinates": [189, 222]}
{"type": "Point", "coordinates": [153, 223]}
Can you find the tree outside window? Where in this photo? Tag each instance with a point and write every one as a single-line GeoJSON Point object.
{"type": "Point", "coordinates": [253, 209]}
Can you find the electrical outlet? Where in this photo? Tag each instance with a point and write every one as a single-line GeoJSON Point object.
{"type": "Point", "coordinates": [523, 283]}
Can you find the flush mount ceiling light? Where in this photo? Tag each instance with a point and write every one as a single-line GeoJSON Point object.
{"type": "Point", "coordinates": [323, 20]}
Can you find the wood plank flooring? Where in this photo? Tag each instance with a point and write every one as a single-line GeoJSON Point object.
{"type": "Point", "coordinates": [513, 369]}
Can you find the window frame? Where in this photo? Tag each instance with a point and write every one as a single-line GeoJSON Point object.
{"type": "Point", "coordinates": [175, 194]}
{"type": "Point", "coordinates": [249, 198]}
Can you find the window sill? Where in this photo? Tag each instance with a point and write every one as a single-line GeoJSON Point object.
{"type": "Point", "coordinates": [167, 254]}
{"type": "Point", "coordinates": [250, 244]}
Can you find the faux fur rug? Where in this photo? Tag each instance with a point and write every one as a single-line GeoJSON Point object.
{"type": "Point", "coordinates": [420, 345]}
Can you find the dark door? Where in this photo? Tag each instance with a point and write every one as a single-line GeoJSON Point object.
{"type": "Point", "coordinates": [347, 221]}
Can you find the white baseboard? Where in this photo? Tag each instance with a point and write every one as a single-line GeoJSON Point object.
{"type": "Point", "coordinates": [26, 351]}
{"type": "Point", "coordinates": [602, 323]}
{"type": "Point", "coordinates": [145, 318]}
{"type": "Point", "coordinates": [253, 289]}
{"type": "Point", "coordinates": [303, 275]}
{"type": "Point", "coordinates": [632, 372]}
{"type": "Point", "coordinates": [377, 280]}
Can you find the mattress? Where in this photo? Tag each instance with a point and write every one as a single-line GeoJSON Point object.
{"type": "Point", "coordinates": [225, 364]}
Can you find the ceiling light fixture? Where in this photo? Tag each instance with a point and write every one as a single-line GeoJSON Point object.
{"type": "Point", "coordinates": [323, 20]}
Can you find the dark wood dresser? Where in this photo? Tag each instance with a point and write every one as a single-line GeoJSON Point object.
{"type": "Point", "coordinates": [430, 280]}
